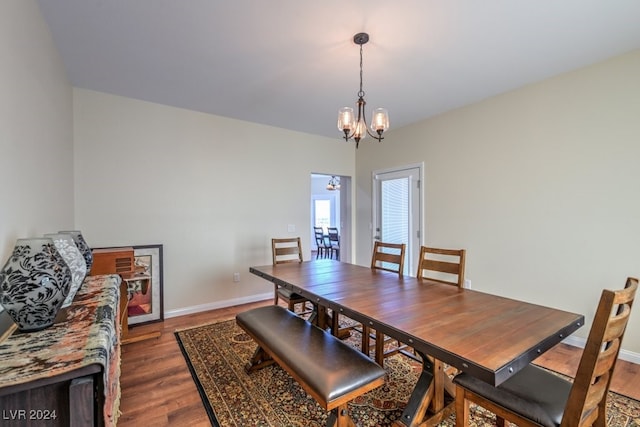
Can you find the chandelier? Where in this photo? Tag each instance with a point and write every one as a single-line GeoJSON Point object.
{"type": "Point", "coordinates": [334, 184]}
{"type": "Point", "coordinates": [356, 126]}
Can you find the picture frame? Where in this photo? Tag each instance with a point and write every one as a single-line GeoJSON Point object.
{"type": "Point", "coordinates": [146, 303]}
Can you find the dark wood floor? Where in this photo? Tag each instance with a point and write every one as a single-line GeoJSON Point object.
{"type": "Point", "coordinates": [157, 388]}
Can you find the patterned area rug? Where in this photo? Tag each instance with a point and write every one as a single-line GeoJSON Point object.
{"type": "Point", "coordinates": [216, 355]}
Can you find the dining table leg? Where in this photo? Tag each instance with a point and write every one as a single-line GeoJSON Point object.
{"type": "Point", "coordinates": [427, 405]}
{"type": "Point", "coordinates": [321, 318]}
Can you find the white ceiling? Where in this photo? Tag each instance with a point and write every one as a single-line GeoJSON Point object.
{"type": "Point", "coordinates": [293, 63]}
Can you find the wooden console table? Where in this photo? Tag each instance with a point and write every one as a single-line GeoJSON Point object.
{"type": "Point", "coordinates": [67, 374]}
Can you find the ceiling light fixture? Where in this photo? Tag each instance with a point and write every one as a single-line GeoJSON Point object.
{"type": "Point", "coordinates": [334, 184]}
{"type": "Point", "coordinates": [356, 127]}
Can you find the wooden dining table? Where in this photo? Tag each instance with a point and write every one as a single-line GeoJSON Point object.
{"type": "Point", "coordinates": [488, 336]}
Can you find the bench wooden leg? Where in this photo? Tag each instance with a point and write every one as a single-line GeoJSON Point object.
{"type": "Point", "coordinates": [259, 360]}
{"type": "Point", "coordinates": [339, 417]}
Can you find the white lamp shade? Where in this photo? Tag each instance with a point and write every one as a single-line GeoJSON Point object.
{"type": "Point", "coordinates": [346, 119]}
{"type": "Point", "coordinates": [380, 120]}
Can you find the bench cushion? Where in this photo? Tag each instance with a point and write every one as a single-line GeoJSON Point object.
{"type": "Point", "coordinates": [328, 366]}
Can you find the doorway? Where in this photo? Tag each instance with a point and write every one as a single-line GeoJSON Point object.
{"type": "Point", "coordinates": [331, 208]}
{"type": "Point", "coordinates": [397, 210]}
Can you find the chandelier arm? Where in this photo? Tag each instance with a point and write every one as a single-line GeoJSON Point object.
{"type": "Point", "coordinates": [363, 114]}
{"type": "Point", "coordinates": [378, 135]}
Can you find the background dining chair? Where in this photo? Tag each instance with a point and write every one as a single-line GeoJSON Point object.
{"type": "Point", "coordinates": [442, 265]}
{"type": "Point", "coordinates": [334, 242]}
{"type": "Point", "coordinates": [536, 397]}
{"type": "Point", "coordinates": [388, 257]}
{"type": "Point", "coordinates": [321, 243]}
{"type": "Point", "coordinates": [285, 251]}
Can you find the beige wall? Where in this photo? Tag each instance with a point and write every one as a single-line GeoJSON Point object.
{"type": "Point", "coordinates": [541, 185]}
{"type": "Point", "coordinates": [36, 134]}
{"type": "Point", "coordinates": [212, 190]}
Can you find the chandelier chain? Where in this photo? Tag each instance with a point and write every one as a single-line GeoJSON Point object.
{"type": "Point", "coordinates": [361, 92]}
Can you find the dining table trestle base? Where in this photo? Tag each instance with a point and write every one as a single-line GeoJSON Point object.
{"type": "Point", "coordinates": [432, 399]}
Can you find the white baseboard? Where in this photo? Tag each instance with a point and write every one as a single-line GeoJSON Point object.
{"type": "Point", "coordinates": [629, 356]}
{"type": "Point", "coordinates": [626, 355]}
{"type": "Point", "coordinates": [218, 304]}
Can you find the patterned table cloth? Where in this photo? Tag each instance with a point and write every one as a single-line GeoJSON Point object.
{"type": "Point", "coordinates": [85, 333]}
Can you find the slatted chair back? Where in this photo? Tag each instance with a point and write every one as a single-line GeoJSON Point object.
{"type": "Point", "coordinates": [442, 265]}
{"type": "Point", "coordinates": [588, 396]}
{"type": "Point", "coordinates": [286, 250]}
{"type": "Point", "coordinates": [388, 256]}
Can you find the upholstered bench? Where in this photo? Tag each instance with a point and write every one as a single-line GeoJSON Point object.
{"type": "Point", "coordinates": [332, 372]}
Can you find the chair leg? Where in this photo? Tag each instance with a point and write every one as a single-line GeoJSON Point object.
{"type": "Point", "coordinates": [462, 408]}
{"type": "Point", "coordinates": [379, 347]}
{"type": "Point", "coordinates": [366, 341]}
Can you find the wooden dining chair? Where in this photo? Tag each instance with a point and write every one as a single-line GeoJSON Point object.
{"type": "Point", "coordinates": [334, 242]}
{"type": "Point", "coordinates": [388, 257]}
{"type": "Point", "coordinates": [321, 243]}
{"type": "Point", "coordinates": [284, 251]}
{"type": "Point", "coordinates": [442, 265]}
{"type": "Point", "coordinates": [536, 397]}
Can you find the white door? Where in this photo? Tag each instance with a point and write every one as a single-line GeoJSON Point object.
{"type": "Point", "coordinates": [397, 211]}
